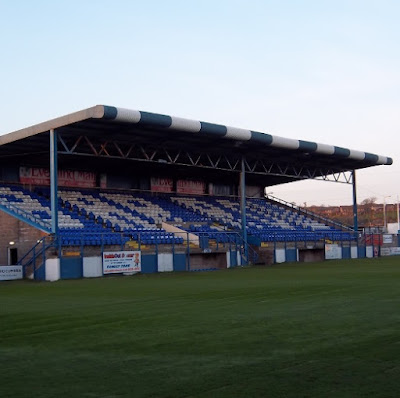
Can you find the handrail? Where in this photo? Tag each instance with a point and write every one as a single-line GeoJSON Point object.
{"type": "Point", "coordinates": [308, 212]}
{"type": "Point", "coordinates": [252, 255]}
{"type": "Point", "coordinates": [33, 249]}
{"type": "Point", "coordinates": [24, 214]}
{"type": "Point", "coordinates": [306, 236]}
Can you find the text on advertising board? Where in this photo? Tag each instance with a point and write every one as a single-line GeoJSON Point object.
{"type": "Point", "coordinates": [161, 184]}
{"type": "Point", "coordinates": [190, 187]}
{"type": "Point", "coordinates": [10, 272]}
{"type": "Point", "coordinates": [66, 178]}
{"type": "Point", "coordinates": [121, 262]}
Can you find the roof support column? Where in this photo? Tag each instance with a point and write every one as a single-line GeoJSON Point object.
{"type": "Point", "coordinates": [355, 209]}
{"type": "Point", "coordinates": [243, 207]}
{"type": "Point", "coordinates": [54, 182]}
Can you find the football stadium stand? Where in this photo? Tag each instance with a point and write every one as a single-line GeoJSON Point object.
{"type": "Point", "coordinates": [81, 192]}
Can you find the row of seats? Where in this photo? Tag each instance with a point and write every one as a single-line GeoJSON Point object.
{"type": "Point", "coordinates": [37, 206]}
{"type": "Point", "coordinates": [261, 214]}
{"type": "Point", "coordinates": [139, 216]}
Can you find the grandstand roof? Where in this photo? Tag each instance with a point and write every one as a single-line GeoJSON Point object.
{"type": "Point", "coordinates": [123, 134]}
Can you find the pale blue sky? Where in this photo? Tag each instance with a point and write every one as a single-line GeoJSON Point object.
{"type": "Point", "coordinates": [324, 71]}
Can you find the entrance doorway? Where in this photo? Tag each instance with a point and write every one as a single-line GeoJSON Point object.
{"type": "Point", "coordinates": [12, 256]}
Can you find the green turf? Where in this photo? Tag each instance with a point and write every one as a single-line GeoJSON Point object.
{"type": "Point", "coordinates": [321, 330]}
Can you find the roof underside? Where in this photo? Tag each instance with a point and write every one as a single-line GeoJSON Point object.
{"type": "Point", "coordinates": [117, 140]}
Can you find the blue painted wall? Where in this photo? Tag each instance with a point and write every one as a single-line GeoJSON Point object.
{"type": "Point", "coordinates": [149, 264]}
{"type": "Point", "coordinates": [71, 267]}
{"type": "Point", "coordinates": [291, 255]}
{"type": "Point", "coordinates": [180, 262]}
{"type": "Point", "coordinates": [233, 256]}
{"type": "Point", "coordinates": [40, 273]}
{"type": "Point", "coordinates": [346, 252]}
{"type": "Point", "coordinates": [361, 252]}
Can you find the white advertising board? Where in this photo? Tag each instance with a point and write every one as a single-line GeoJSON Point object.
{"type": "Point", "coordinates": [121, 262]}
{"type": "Point", "coordinates": [390, 251]}
{"type": "Point", "coordinates": [10, 272]}
{"type": "Point", "coordinates": [280, 256]}
{"type": "Point", "coordinates": [387, 239]}
{"type": "Point", "coordinates": [333, 251]}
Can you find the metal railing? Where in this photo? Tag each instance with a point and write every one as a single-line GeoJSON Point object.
{"type": "Point", "coordinates": [25, 216]}
{"type": "Point", "coordinates": [309, 213]}
{"type": "Point", "coordinates": [36, 253]}
{"type": "Point", "coordinates": [86, 244]}
{"type": "Point", "coordinates": [229, 246]}
{"type": "Point", "coordinates": [304, 236]}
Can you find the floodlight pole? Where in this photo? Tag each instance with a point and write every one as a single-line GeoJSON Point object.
{"type": "Point", "coordinates": [54, 182]}
{"type": "Point", "coordinates": [243, 207]}
{"type": "Point", "coordinates": [384, 215]}
{"type": "Point", "coordinates": [355, 209]}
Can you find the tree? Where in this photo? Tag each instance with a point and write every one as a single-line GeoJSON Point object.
{"type": "Point", "coordinates": [367, 211]}
{"type": "Point", "coordinates": [369, 201]}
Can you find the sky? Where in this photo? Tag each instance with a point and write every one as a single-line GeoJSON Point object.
{"type": "Point", "coordinates": [323, 71]}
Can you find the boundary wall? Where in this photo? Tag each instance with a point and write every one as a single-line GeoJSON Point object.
{"type": "Point", "coordinates": [92, 266]}
{"type": "Point", "coordinates": [54, 263]}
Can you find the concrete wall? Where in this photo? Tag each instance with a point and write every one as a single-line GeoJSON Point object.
{"type": "Point", "coordinates": [280, 256]}
{"type": "Point", "coordinates": [92, 267]}
{"type": "Point", "coordinates": [181, 233]}
{"type": "Point", "coordinates": [309, 256]}
{"type": "Point", "coordinates": [239, 260]}
{"type": "Point", "coordinates": [265, 254]}
{"type": "Point", "coordinates": [201, 261]}
{"type": "Point", "coordinates": [165, 262]}
{"type": "Point", "coordinates": [52, 269]}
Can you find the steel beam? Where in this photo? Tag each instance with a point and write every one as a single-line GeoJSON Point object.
{"type": "Point", "coordinates": [243, 206]}
{"type": "Point", "coordinates": [355, 209]}
{"type": "Point", "coordinates": [85, 146]}
{"type": "Point", "coordinates": [54, 182]}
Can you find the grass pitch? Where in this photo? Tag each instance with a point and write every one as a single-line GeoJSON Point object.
{"type": "Point", "coordinates": [322, 330]}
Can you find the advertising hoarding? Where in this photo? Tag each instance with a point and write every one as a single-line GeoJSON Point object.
{"type": "Point", "coordinates": [66, 178]}
{"type": "Point", "coordinates": [191, 187]}
{"type": "Point", "coordinates": [10, 272]}
{"type": "Point", "coordinates": [121, 262]}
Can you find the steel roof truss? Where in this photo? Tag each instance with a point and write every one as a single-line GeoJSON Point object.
{"type": "Point", "coordinates": [149, 155]}
{"type": "Point", "coordinates": [77, 142]}
{"type": "Point", "coordinates": [117, 147]}
{"type": "Point", "coordinates": [171, 160]}
{"type": "Point", "coordinates": [224, 162]}
{"type": "Point", "coordinates": [211, 162]}
{"type": "Point", "coordinates": [103, 148]}
{"type": "Point", "coordinates": [344, 177]}
{"type": "Point", "coordinates": [128, 152]}
{"type": "Point", "coordinates": [91, 146]}
{"type": "Point", "coordinates": [63, 143]}
{"type": "Point", "coordinates": [193, 162]}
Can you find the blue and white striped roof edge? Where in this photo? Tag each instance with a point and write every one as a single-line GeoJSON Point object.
{"type": "Point", "coordinates": [238, 134]}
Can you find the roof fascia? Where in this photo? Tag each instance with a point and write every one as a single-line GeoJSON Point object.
{"type": "Point", "coordinates": [259, 139]}
{"type": "Point", "coordinates": [96, 112]}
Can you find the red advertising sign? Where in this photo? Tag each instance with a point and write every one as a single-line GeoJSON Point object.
{"type": "Point", "coordinates": [191, 187]}
{"type": "Point", "coordinates": [66, 178]}
{"type": "Point", "coordinates": [103, 180]}
{"type": "Point", "coordinates": [161, 184]}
